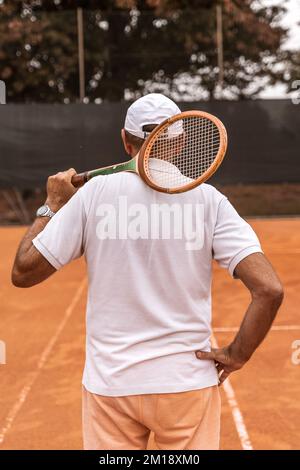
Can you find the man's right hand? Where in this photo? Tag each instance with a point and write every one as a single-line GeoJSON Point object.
{"type": "Point", "coordinates": [60, 189]}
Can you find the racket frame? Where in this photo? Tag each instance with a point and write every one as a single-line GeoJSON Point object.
{"type": "Point", "coordinates": [147, 145]}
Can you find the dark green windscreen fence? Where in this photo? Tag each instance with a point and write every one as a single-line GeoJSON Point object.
{"type": "Point", "coordinates": [39, 140]}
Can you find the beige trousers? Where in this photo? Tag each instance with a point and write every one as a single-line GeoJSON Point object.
{"type": "Point", "coordinates": [178, 421]}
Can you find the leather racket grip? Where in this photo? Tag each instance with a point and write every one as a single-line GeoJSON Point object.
{"type": "Point", "coordinates": [80, 179]}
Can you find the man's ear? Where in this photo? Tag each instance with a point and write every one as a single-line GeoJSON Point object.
{"type": "Point", "coordinates": [127, 146]}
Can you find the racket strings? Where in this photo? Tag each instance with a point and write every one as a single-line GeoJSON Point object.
{"type": "Point", "coordinates": [183, 152]}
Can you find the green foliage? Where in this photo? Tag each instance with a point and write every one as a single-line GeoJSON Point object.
{"type": "Point", "coordinates": [137, 45]}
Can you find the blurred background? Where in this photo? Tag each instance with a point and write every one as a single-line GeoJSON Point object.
{"type": "Point", "coordinates": [71, 68]}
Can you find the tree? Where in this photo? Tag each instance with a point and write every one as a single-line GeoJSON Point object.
{"type": "Point", "coordinates": [38, 56]}
{"type": "Point", "coordinates": [138, 45]}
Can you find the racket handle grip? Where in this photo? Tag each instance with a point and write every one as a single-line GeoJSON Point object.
{"type": "Point", "coordinates": [80, 179]}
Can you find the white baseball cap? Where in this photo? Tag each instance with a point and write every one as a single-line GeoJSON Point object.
{"type": "Point", "coordinates": [153, 108]}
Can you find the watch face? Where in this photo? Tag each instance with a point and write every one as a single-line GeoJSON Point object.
{"type": "Point", "coordinates": [42, 211]}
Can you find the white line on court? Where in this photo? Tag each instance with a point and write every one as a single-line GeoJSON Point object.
{"type": "Point", "coordinates": [235, 410]}
{"type": "Point", "coordinates": [283, 252]}
{"type": "Point", "coordinates": [229, 329]}
{"type": "Point", "coordinates": [31, 378]}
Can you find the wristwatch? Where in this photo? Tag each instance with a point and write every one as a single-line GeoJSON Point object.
{"type": "Point", "coordinates": [45, 211]}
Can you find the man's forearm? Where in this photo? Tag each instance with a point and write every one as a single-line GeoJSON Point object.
{"type": "Point", "coordinates": [257, 274]}
{"type": "Point", "coordinates": [26, 243]}
{"type": "Point", "coordinates": [256, 324]}
{"type": "Point", "coordinates": [30, 267]}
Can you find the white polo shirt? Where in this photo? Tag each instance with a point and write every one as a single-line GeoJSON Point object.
{"type": "Point", "coordinates": [149, 259]}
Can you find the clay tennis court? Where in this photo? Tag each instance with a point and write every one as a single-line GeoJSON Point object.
{"type": "Point", "coordinates": [43, 328]}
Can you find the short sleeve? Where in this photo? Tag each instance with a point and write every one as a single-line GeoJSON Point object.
{"type": "Point", "coordinates": [233, 239]}
{"type": "Point", "coordinates": [61, 241]}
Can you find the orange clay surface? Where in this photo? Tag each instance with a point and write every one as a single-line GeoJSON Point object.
{"type": "Point", "coordinates": [44, 327]}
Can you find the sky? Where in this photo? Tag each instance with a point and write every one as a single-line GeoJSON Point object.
{"type": "Point", "coordinates": [292, 21]}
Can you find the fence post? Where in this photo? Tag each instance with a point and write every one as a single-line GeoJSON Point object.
{"type": "Point", "coordinates": [220, 45]}
{"type": "Point", "coordinates": [81, 59]}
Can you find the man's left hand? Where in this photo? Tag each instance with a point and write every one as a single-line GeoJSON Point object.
{"type": "Point", "coordinates": [226, 361]}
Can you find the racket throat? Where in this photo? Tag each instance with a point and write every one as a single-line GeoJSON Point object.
{"type": "Point", "coordinates": [131, 165]}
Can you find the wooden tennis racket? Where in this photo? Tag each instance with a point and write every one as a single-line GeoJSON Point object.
{"type": "Point", "coordinates": [178, 155]}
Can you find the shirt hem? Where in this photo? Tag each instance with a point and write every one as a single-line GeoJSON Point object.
{"type": "Point", "coordinates": [175, 388]}
{"type": "Point", "coordinates": [241, 255]}
{"type": "Point", "coordinates": [43, 250]}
